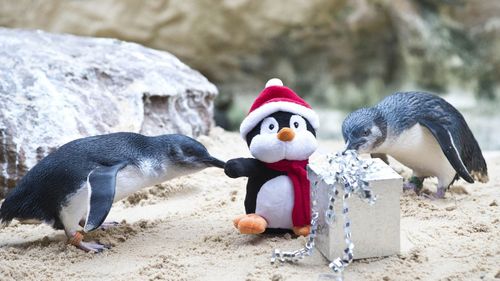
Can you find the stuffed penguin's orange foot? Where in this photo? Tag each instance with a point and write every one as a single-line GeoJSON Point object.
{"type": "Point", "coordinates": [302, 231]}
{"type": "Point", "coordinates": [236, 220]}
{"type": "Point", "coordinates": [250, 224]}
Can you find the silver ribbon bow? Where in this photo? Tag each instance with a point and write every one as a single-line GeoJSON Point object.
{"type": "Point", "coordinates": [345, 170]}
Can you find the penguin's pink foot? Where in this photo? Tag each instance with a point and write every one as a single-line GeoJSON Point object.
{"type": "Point", "coordinates": [302, 230]}
{"type": "Point", "coordinates": [409, 186]}
{"type": "Point", "coordinates": [92, 247]}
{"type": "Point", "coordinates": [250, 224]}
{"type": "Point", "coordinates": [414, 183]}
{"type": "Point", "coordinates": [77, 240]}
{"type": "Point", "coordinates": [439, 193]}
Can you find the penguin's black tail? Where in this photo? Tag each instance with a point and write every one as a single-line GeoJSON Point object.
{"type": "Point", "coordinates": [5, 217]}
{"type": "Point", "coordinates": [18, 205]}
{"type": "Point", "coordinates": [214, 162]}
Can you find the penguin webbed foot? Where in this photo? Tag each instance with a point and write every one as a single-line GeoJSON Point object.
{"type": "Point", "coordinates": [417, 184]}
{"type": "Point", "coordinates": [77, 240]}
{"type": "Point", "coordinates": [414, 183]}
{"type": "Point", "coordinates": [409, 186]}
{"type": "Point", "coordinates": [439, 194]}
{"type": "Point", "coordinates": [92, 247]}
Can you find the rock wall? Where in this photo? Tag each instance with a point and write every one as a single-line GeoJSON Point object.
{"type": "Point", "coordinates": [56, 88]}
{"type": "Point", "coordinates": [338, 52]}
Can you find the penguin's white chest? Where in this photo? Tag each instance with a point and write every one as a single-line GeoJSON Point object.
{"type": "Point", "coordinates": [419, 150]}
{"type": "Point", "coordinates": [131, 178]}
{"type": "Point", "coordinates": [128, 180]}
{"type": "Point", "coordinates": [275, 202]}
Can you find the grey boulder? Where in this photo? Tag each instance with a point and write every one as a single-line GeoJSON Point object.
{"type": "Point", "coordinates": [55, 88]}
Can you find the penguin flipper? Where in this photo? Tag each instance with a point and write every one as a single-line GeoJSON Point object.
{"type": "Point", "coordinates": [445, 140]}
{"type": "Point", "coordinates": [102, 184]}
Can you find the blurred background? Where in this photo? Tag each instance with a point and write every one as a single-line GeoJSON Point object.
{"type": "Point", "coordinates": [338, 54]}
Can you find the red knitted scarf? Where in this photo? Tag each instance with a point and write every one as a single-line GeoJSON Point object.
{"type": "Point", "coordinates": [296, 171]}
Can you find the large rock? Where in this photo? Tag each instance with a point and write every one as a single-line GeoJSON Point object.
{"type": "Point", "coordinates": [56, 88]}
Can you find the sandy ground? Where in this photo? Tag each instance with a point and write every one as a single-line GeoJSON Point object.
{"type": "Point", "coordinates": [182, 230]}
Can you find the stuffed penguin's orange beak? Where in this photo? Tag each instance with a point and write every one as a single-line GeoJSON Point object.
{"type": "Point", "coordinates": [286, 134]}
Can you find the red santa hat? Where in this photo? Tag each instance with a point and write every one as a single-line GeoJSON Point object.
{"type": "Point", "coordinates": [276, 97]}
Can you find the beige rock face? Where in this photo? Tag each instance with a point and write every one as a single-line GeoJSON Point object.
{"type": "Point", "coordinates": [56, 88]}
{"type": "Point", "coordinates": [213, 34]}
{"type": "Point", "coordinates": [340, 53]}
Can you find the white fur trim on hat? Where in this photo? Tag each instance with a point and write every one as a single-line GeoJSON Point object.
{"type": "Point", "coordinates": [274, 82]}
{"type": "Point", "coordinates": [267, 109]}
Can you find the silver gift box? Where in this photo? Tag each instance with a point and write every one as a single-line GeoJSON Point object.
{"type": "Point", "coordinates": [375, 228]}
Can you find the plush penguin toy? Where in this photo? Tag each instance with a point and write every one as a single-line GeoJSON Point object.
{"type": "Point", "coordinates": [280, 131]}
{"type": "Point", "coordinates": [74, 187]}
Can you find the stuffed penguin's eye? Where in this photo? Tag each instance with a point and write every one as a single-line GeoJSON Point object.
{"type": "Point", "coordinates": [366, 132]}
{"type": "Point", "coordinates": [269, 126]}
{"type": "Point", "coordinates": [298, 123]}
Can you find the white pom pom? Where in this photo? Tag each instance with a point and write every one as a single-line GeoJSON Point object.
{"type": "Point", "coordinates": [274, 82]}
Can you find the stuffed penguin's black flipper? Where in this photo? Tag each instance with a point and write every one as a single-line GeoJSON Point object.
{"type": "Point", "coordinates": [447, 143]}
{"type": "Point", "coordinates": [243, 167]}
{"type": "Point", "coordinates": [257, 174]}
{"type": "Point", "coordinates": [102, 181]}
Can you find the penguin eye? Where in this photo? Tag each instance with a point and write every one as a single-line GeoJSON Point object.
{"type": "Point", "coordinates": [298, 123]}
{"type": "Point", "coordinates": [269, 126]}
{"type": "Point", "coordinates": [366, 132]}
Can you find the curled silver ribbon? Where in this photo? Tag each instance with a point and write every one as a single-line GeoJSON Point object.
{"type": "Point", "coordinates": [345, 170]}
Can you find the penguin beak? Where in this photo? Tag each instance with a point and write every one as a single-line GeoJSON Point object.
{"type": "Point", "coordinates": [350, 145]}
{"type": "Point", "coordinates": [347, 146]}
{"type": "Point", "coordinates": [286, 134]}
{"type": "Point", "coordinates": [214, 162]}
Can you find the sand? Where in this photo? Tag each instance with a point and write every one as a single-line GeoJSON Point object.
{"type": "Point", "coordinates": [182, 230]}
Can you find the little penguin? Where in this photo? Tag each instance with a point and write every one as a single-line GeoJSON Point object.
{"type": "Point", "coordinates": [424, 133]}
{"type": "Point", "coordinates": [76, 185]}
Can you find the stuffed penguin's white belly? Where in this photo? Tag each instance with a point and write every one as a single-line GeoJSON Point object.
{"type": "Point", "coordinates": [275, 202]}
{"type": "Point", "coordinates": [419, 150]}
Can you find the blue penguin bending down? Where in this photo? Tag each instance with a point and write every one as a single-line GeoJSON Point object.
{"type": "Point", "coordinates": [423, 132]}
{"type": "Point", "coordinates": [77, 184]}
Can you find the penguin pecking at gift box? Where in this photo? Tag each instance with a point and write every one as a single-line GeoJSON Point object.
{"type": "Point", "coordinates": [280, 131]}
